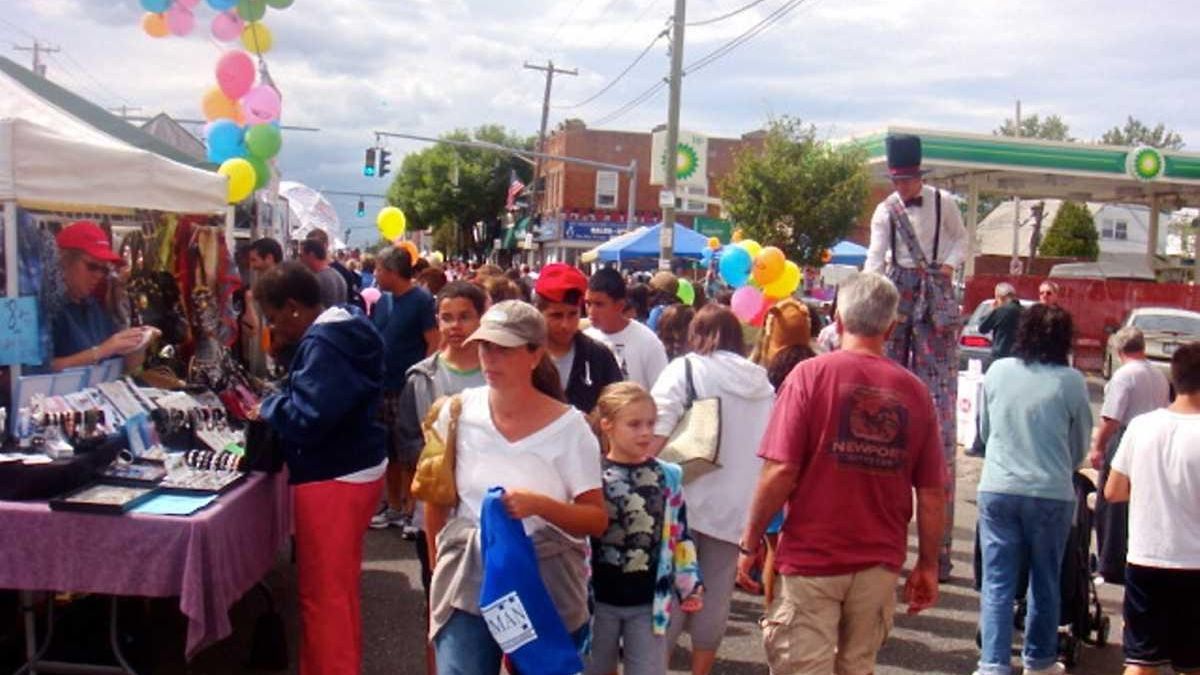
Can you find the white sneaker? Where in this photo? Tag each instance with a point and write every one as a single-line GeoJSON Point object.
{"type": "Point", "coordinates": [1055, 669]}
{"type": "Point", "coordinates": [387, 517]}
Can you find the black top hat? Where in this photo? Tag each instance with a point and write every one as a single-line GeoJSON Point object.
{"type": "Point", "coordinates": [904, 156]}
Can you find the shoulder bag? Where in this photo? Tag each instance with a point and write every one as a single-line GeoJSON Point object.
{"type": "Point", "coordinates": [434, 482]}
{"type": "Point", "coordinates": [695, 444]}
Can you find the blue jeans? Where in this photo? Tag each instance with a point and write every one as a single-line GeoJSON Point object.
{"type": "Point", "coordinates": [464, 646]}
{"type": "Point", "coordinates": [1017, 532]}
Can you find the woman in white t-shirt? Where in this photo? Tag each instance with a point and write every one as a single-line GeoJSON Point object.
{"type": "Point", "coordinates": [516, 433]}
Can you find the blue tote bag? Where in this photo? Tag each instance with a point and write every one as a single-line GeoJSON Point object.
{"type": "Point", "coordinates": [514, 601]}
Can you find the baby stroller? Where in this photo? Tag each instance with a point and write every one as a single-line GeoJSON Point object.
{"type": "Point", "coordinates": [1081, 618]}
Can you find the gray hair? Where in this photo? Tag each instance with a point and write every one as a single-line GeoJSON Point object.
{"type": "Point", "coordinates": [1005, 290]}
{"type": "Point", "coordinates": [396, 260]}
{"type": "Point", "coordinates": [867, 304]}
{"type": "Point", "coordinates": [1129, 340]}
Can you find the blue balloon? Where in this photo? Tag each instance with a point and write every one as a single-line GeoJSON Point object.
{"type": "Point", "coordinates": [156, 6]}
{"type": "Point", "coordinates": [735, 265]}
{"type": "Point", "coordinates": [225, 141]}
{"type": "Point", "coordinates": [222, 5]}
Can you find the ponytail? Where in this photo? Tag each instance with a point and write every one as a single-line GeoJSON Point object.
{"type": "Point", "coordinates": [546, 380]}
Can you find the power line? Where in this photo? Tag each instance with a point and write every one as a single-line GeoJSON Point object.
{"type": "Point", "coordinates": [570, 15]}
{"type": "Point", "coordinates": [770, 20]}
{"type": "Point", "coordinates": [72, 66]}
{"type": "Point", "coordinates": [637, 101]}
{"type": "Point", "coordinates": [641, 15]}
{"type": "Point", "coordinates": [619, 76]}
{"type": "Point", "coordinates": [727, 15]}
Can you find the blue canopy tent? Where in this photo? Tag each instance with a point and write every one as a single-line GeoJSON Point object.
{"type": "Point", "coordinates": [643, 243]}
{"type": "Point", "coordinates": [848, 253]}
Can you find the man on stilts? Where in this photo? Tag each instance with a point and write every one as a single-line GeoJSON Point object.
{"type": "Point", "coordinates": [918, 241]}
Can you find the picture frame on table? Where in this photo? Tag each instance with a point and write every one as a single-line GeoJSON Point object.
{"type": "Point", "coordinates": [103, 497]}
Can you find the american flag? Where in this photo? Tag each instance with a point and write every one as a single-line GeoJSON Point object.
{"type": "Point", "coordinates": [515, 188]}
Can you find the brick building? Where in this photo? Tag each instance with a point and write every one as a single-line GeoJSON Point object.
{"type": "Point", "coordinates": [584, 206]}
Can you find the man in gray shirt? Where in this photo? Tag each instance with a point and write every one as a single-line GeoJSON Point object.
{"type": "Point", "coordinates": [315, 257]}
{"type": "Point", "coordinates": [1135, 388]}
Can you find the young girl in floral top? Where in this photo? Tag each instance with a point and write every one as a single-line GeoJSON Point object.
{"type": "Point", "coordinates": [645, 564]}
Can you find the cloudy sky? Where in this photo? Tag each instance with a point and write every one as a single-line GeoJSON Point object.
{"type": "Point", "coordinates": [428, 66]}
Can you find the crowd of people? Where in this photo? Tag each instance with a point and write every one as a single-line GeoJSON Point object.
{"type": "Point", "coordinates": [567, 390]}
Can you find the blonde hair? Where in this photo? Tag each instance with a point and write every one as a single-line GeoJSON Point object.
{"type": "Point", "coordinates": [613, 399]}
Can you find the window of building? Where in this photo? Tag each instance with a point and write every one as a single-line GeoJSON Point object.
{"type": "Point", "coordinates": [1121, 230]}
{"type": "Point", "coordinates": [1114, 229]}
{"type": "Point", "coordinates": [606, 189]}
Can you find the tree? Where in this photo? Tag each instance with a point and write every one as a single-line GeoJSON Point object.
{"type": "Point", "coordinates": [1073, 234]}
{"type": "Point", "coordinates": [1053, 128]}
{"type": "Point", "coordinates": [448, 189]}
{"type": "Point", "coordinates": [797, 193]}
{"type": "Point", "coordinates": [1136, 133]}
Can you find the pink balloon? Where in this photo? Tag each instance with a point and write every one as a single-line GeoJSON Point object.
{"type": "Point", "coordinates": [261, 105]}
{"type": "Point", "coordinates": [746, 303]}
{"type": "Point", "coordinates": [180, 20]}
{"type": "Point", "coordinates": [370, 296]}
{"type": "Point", "coordinates": [187, 3]}
{"type": "Point", "coordinates": [235, 74]}
{"type": "Point", "coordinates": [227, 26]}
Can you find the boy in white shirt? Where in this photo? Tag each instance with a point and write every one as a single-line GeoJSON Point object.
{"type": "Point", "coordinates": [639, 352]}
{"type": "Point", "coordinates": [1157, 469]}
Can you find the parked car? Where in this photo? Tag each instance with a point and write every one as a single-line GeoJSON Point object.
{"type": "Point", "coordinates": [975, 345]}
{"type": "Point", "coordinates": [1165, 329]}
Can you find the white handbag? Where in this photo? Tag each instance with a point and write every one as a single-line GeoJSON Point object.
{"type": "Point", "coordinates": [695, 443]}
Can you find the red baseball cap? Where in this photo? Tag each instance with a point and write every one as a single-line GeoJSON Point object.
{"type": "Point", "coordinates": [86, 236]}
{"type": "Point", "coordinates": [556, 279]}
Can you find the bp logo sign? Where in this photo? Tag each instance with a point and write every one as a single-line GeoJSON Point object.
{"type": "Point", "coordinates": [1144, 163]}
{"type": "Point", "coordinates": [686, 161]}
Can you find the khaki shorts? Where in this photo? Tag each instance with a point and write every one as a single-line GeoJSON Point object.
{"type": "Point", "coordinates": [821, 625]}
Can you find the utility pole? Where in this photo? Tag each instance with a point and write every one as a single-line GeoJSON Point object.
{"type": "Point", "coordinates": [666, 234]}
{"type": "Point", "coordinates": [1014, 265]}
{"type": "Point", "coordinates": [550, 69]}
{"type": "Point", "coordinates": [38, 49]}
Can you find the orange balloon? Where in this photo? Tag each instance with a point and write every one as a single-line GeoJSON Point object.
{"type": "Point", "coordinates": [217, 105]}
{"type": "Point", "coordinates": [826, 255]}
{"type": "Point", "coordinates": [155, 25]}
{"type": "Point", "coordinates": [737, 236]}
{"type": "Point", "coordinates": [768, 265]}
{"type": "Point", "coordinates": [406, 245]}
{"type": "Point", "coordinates": [714, 243]}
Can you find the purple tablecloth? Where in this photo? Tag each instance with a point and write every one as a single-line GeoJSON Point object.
{"type": "Point", "coordinates": [209, 559]}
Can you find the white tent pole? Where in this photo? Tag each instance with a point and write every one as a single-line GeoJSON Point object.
{"type": "Point", "coordinates": [972, 224]}
{"type": "Point", "coordinates": [230, 217]}
{"type": "Point", "coordinates": [1152, 239]}
{"type": "Point", "coordinates": [12, 289]}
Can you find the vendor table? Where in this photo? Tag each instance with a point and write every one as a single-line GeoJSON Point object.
{"type": "Point", "coordinates": [209, 560]}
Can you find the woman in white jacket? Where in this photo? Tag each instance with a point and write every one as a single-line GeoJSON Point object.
{"type": "Point", "coordinates": [719, 501]}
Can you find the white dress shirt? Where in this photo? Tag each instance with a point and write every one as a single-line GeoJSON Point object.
{"type": "Point", "coordinates": [952, 245]}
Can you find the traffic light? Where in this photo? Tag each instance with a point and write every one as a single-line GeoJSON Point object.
{"type": "Point", "coordinates": [385, 162]}
{"type": "Point", "coordinates": [362, 209]}
{"type": "Point", "coordinates": [369, 163]}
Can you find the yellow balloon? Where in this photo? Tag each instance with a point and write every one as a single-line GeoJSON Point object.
{"type": "Point", "coordinates": [391, 222]}
{"type": "Point", "coordinates": [155, 25]}
{"type": "Point", "coordinates": [752, 247]}
{"type": "Point", "coordinates": [256, 37]}
{"type": "Point", "coordinates": [785, 284]}
{"type": "Point", "coordinates": [241, 177]}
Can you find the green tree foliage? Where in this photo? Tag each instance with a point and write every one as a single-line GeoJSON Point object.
{"type": "Point", "coordinates": [448, 189]}
{"type": "Point", "coordinates": [1072, 235]}
{"type": "Point", "coordinates": [1052, 128]}
{"type": "Point", "coordinates": [1136, 133]}
{"type": "Point", "coordinates": [796, 192]}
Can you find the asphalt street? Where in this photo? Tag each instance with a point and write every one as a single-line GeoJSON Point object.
{"type": "Point", "coordinates": [940, 640]}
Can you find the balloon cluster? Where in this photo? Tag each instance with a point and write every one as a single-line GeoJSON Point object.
{"type": "Point", "coordinates": [242, 133]}
{"type": "Point", "coordinates": [761, 276]}
{"type": "Point", "coordinates": [235, 19]}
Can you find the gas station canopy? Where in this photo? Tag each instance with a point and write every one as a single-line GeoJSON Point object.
{"type": "Point", "coordinates": [1028, 168]}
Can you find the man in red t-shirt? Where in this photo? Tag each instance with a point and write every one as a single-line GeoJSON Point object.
{"type": "Point", "coordinates": [851, 436]}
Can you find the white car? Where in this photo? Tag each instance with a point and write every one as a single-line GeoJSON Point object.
{"type": "Point", "coordinates": [1165, 329]}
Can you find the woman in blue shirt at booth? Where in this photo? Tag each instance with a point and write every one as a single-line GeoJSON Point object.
{"type": "Point", "coordinates": [84, 334]}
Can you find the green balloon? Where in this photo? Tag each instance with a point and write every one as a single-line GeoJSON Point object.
{"type": "Point", "coordinates": [280, 4]}
{"type": "Point", "coordinates": [686, 292]}
{"type": "Point", "coordinates": [262, 172]}
{"type": "Point", "coordinates": [263, 140]}
{"type": "Point", "coordinates": [252, 10]}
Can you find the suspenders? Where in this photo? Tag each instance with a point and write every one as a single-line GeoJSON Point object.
{"type": "Point", "coordinates": [937, 232]}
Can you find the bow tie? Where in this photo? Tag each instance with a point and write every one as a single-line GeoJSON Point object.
{"type": "Point", "coordinates": [915, 201]}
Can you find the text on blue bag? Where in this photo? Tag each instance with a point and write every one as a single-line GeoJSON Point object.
{"type": "Point", "coordinates": [509, 623]}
